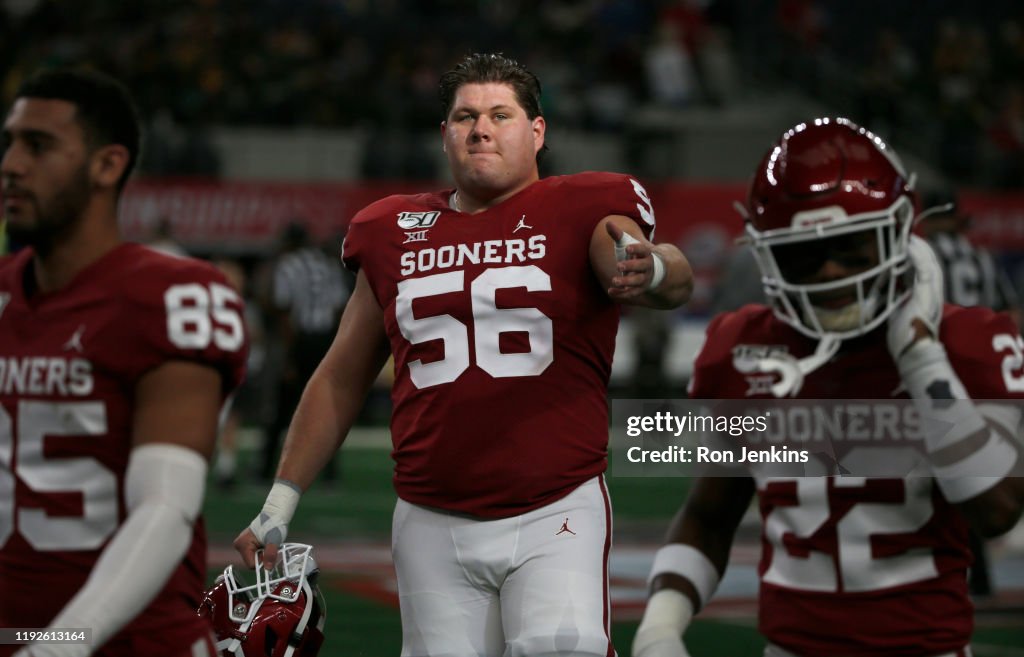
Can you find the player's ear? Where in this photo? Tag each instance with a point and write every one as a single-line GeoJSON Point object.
{"type": "Point", "coordinates": [540, 127]}
{"type": "Point", "coordinates": [108, 163]}
{"type": "Point", "coordinates": [444, 133]}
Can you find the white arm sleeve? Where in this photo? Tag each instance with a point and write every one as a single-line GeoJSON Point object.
{"type": "Point", "coordinates": [164, 488]}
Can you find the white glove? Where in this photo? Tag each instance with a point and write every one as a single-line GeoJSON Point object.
{"type": "Point", "coordinates": [925, 302]}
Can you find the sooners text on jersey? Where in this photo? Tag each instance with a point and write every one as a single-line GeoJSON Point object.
{"type": "Point", "coordinates": [502, 338]}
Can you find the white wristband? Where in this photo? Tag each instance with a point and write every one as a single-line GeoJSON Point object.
{"type": "Point", "coordinates": [658, 274]}
{"type": "Point", "coordinates": [689, 562]}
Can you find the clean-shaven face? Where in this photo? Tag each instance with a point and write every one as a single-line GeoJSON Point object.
{"type": "Point", "coordinates": [490, 142]}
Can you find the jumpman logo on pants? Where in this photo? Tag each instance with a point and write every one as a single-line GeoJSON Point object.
{"type": "Point", "coordinates": [565, 528]}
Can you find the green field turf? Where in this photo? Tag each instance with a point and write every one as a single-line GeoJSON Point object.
{"type": "Point", "coordinates": [358, 509]}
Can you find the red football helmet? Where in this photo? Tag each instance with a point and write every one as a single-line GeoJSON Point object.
{"type": "Point", "coordinates": [824, 186]}
{"type": "Point", "coordinates": [281, 615]}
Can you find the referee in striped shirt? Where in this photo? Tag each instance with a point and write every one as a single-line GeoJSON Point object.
{"type": "Point", "coordinates": [310, 289]}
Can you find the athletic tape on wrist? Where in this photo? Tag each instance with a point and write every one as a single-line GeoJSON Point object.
{"type": "Point", "coordinates": [282, 499]}
{"type": "Point", "coordinates": [689, 562]}
{"type": "Point", "coordinates": [667, 615]}
{"type": "Point", "coordinates": [978, 472]}
{"type": "Point", "coordinates": [948, 415]}
{"type": "Point", "coordinates": [658, 274]}
{"type": "Point", "coordinates": [277, 511]}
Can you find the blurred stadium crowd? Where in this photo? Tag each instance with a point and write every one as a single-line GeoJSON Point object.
{"type": "Point", "coordinates": [943, 81]}
{"type": "Point", "coordinates": [944, 84]}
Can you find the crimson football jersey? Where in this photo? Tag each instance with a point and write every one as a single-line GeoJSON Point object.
{"type": "Point", "coordinates": [69, 363]}
{"type": "Point", "coordinates": [502, 339]}
{"type": "Point", "coordinates": [860, 566]}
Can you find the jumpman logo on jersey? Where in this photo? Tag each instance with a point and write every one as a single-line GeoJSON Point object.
{"type": "Point", "coordinates": [75, 341]}
{"type": "Point", "coordinates": [521, 224]}
{"type": "Point", "coordinates": [565, 528]}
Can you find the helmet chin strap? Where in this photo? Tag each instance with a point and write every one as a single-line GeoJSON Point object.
{"type": "Point", "coordinates": [792, 370]}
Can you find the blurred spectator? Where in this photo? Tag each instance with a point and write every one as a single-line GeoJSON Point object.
{"type": "Point", "coordinates": [670, 74]}
{"type": "Point", "coordinates": [959, 61]}
{"type": "Point", "coordinates": [717, 67]}
{"type": "Point", "coordinates": [309, 293]}
{"type": "Point", "coordinates": [1006, 135]}
{"type": "Point", "coordinates": [886, 82]}
{"type": "Point", "coordinates": [360, 65]}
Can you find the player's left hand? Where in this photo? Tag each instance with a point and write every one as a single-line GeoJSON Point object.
{"type": "Point", "coordinates": [919, 316]}
{"type": "Point", "coordinates": [635, 264]}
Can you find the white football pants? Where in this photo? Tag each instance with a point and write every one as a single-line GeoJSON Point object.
{"type": "Point", "coordinates": [534, 584]}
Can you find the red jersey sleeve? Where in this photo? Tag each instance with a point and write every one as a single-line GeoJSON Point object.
{"type": "Point", "coordinates": [600, 194]}
{"type": "Point", "coordinates": [986, 350]}
{"type": "Point", "coordinates": [355, 248]}
{"type": "Point", "coordinates": [182, 309]}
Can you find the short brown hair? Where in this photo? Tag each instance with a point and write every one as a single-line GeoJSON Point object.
{"type": "Point", "coordinates": [491, 67]}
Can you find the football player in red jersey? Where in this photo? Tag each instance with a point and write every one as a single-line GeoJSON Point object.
{"type": "Point", "coordinates": [499, 301]}
{"type": "Point", "coordinates": [852, 566]}
{"type": "Point", "coordinates": [114, 363]}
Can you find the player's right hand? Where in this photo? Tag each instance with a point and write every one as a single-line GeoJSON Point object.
{"type": "Point", "coordinates": [270, 527]}
{"type": "Point", "coordinates": [658, 641]}
{"type": "Point", "coordinates": [248, 546]}
{"type": "Point", "coordinates": [266, 532]}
